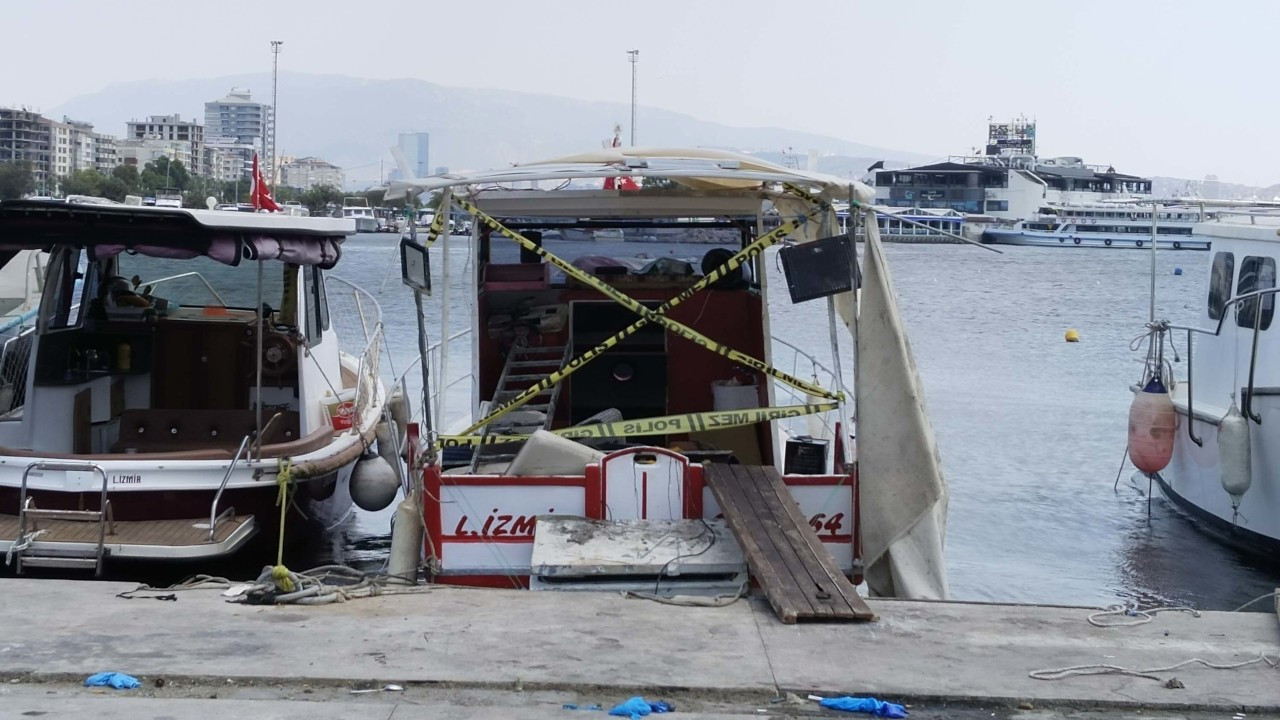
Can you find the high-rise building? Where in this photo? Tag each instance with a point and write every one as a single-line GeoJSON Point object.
{"type": "Point", "coordinates": [240, 126]}
{"type": "Point", "coordinates": [308, 172]}
{"type": "Point", "coordinates": [415, 147]}
{"type": "Point", "coordinates": [53, 149]}
{"type": "Point", "coordinates": [173, 128]}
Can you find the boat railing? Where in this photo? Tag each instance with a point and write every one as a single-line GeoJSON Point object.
{"type": "Point", "coordinates": [1246, 401]}
{"type": "Point", "coordinates": [180, 276]}
{"type": "Point", "coordinates": [214, 517]}
{"type": "Point", "coordinates": [356, 316]}
{"type": "Point", "coordinates": [821, 374]}
{"type": "Point", "coordinates": [15, 361]}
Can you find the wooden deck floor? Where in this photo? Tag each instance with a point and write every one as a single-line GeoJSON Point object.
{"type": "Point", "coordinates": [797, 574]}
{"type": "Point", "coordinates": [168, 533]}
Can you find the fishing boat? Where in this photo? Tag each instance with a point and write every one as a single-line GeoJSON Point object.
{"type": "Point", "coordinates": [1205, 438]}
{"type": "Point", "coordinates": [624, 391]}
{"type": "Point", "coordinates": [187, 369]}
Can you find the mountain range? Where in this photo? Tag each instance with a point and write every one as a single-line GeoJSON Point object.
{"type": "Point", "coordinates": [353, 122]}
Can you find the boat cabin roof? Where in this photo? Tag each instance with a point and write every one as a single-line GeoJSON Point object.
{"type": "Point", "coordinates": [1242, 226]}
{"type": "Point", "coordinates": [225, 236]}
{"type": "Point", "coordinates": [700, 173]}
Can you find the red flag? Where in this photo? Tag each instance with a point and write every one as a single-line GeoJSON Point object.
{"type": "Point", "coordinates": [623, 183]}
{"type": "Point", "coordinates": [260, 194]}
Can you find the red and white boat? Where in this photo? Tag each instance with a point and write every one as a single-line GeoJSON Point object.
{"type": "Point", "coordinates": [183, 366]}
{"type": "Point", "coordinates": [600, 386]}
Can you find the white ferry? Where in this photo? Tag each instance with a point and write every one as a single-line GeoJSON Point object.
{"type": "Point", "coordinates": [1105, 225]}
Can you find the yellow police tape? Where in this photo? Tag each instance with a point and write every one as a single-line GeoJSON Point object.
{"type": "Point", "coordinates": [666, 425]}
{"type": "Point", "coordinates": [647, 315]}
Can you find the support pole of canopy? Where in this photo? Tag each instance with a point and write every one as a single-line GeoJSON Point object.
{"type": "Point", "coordinates": [1154, 234]}
{"type": "Point", "coordinates": [837, 377]}
{"type": "Point", "coordinates": [442, 377]}
{"type": "Point", "coordinates": [262, 325]}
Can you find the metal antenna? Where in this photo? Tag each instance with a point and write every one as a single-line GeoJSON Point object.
{"type": "Point", "coordinates": [634, 57]}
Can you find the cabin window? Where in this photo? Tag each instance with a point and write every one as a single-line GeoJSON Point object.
{"type": "Point", "coordinates": [1221, 274]}
{"type": "Point", "coordinates": [1256, 273]}
{"type": "Point", "coordinates": [997, 206]}
{"type": "Point", "coordinates": [203, 282]}
{"type": "Point", "coordinates": [63, 296]}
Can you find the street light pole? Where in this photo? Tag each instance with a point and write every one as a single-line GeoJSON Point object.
{"type": "Point", "coordinates": [275, 66]}
{"type": "Point", "coordinates": [634, 57]}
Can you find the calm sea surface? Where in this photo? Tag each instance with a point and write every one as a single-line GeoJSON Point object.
{"type": "Point", "coordinates": [1031, 429]}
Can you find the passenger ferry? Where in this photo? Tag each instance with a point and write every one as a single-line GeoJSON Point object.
{"type": "Point", "coordinates": [1104, 225]}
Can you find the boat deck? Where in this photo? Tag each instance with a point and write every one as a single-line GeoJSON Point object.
{"type": "Point", "coordinates": [180, 538]}
{"type": "Point", "coordinates": [797, 574]}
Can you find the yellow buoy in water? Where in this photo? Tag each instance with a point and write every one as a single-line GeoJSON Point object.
{"type": "Point", "coordinates": [1073, 335]}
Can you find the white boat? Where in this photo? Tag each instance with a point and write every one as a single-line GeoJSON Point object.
{"type": "Point", "coordinates": [1232, 357]}
{"type": "Point", "coordinates": [552, 363]}
{"type": "Point", "coordinates": [169, 197]}
{"type": "Point", "coordinates": [154, 411]}
{"type": "Point", "coordinates": [1105, 225]}
{"type": "Point", "coordinates": [357, 210]}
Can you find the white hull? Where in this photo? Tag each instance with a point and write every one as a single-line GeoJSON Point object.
{"type": "Point", "coordinates": [1193, 479]}
{"type": "Point", "coordinates": [1110, 241]}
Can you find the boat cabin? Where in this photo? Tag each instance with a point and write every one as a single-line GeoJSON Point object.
{"type": "Point", "coordinates": [623, 356]}
{"type": "Point", "coordinates": [176, 355]}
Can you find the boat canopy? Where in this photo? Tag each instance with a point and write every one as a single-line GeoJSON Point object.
{"type": "Point", "coordinates": [229, 238]}
{"type": "Point", "coordinates": [697, 169]}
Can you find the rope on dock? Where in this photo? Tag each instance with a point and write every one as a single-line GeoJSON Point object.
{"type": "Point", "coordinates": [1149, 673]}
{"type": "Point", "coordinates": [1141, 617]}
{"type": "Point", "coordinates": [1137, 615]}
{"type": "Point", "coordinates": [317, 586]}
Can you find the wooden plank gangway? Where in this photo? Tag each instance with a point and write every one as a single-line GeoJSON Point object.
{"type": "Point", "coordinates": [798, 576]}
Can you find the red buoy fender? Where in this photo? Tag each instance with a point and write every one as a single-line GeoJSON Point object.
{"type": "Point", "coordinates": [1153, 424]}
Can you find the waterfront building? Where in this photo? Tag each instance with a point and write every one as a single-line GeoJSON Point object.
{"type": "Point", "coordinates": [172, 128]}
{"type": "Point", "coordinates": [308, 172]}
{"type": "Point", "coordinates": [240, 125]}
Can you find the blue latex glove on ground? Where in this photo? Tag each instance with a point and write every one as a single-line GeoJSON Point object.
{"type": "Point", "coordinates": [638, 707]}
{"type": "Point", "coordinates": [119, 681]}
{"type": "Point", "coordinates": [871, 706]}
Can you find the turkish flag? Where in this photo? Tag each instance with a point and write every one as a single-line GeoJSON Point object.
{"type": "Point", "coordinates": [260, 194]}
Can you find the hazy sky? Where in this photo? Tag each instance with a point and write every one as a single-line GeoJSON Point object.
{"type": "Point", "coordinates": [1175, 87]}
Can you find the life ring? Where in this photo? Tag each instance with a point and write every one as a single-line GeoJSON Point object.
{"type": "Point", "coordinates": [1137, 243]}
{"type": "Point", "coordinates": [1107, 242]}
{"type": "Point", "coordinates": [1177, 245]}
{"type": "Point", "coordinates": [1075, 240]}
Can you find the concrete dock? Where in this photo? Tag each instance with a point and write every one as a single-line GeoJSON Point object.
{"type": "Point", "coordinates": [491, 653]}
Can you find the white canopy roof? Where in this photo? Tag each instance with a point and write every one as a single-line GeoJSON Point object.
{"type": "Point", "coordinates": [695, 168]}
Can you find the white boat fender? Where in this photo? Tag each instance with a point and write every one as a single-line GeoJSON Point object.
{"type": "Point", "coordinates": [1235, 454]}
{"type": "Point", "coordinates": [406, 539]}
{"type": "Point", "coordinates": [387, 448]}
{"type": "Point", "coordinates": [398, 404]}
{"type": "Point", "coordinates": [373, 483]}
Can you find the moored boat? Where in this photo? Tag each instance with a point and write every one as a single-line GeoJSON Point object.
{"type": "Point", "coordinates": [620, 390]}
{"type": "Point", "coordinates": [1217, 464]}
{"type": "Point", "coordinates": [186, 366]}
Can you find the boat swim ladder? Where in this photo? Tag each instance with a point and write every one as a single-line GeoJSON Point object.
{"type": "Point", "coordinates": [29, 516]}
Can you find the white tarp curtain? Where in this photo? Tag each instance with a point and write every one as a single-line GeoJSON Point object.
{"type": "Point", "coordinates": [903, 492]}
